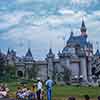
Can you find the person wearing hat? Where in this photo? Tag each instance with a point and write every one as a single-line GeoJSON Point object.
{"type": "Point", "coordinates": [39, 88]}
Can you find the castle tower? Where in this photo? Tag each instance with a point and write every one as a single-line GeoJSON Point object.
{"type": "Point", "coordinates": [50, 58]}
{"type": "Point", "coordinates": [83, 29]}
{"type": "Point", "coordinates": [8, 52]}
{"type": "Point", "coordinates": [28, 60]}
{"type": "Point", "coordinates": [28, 57]}
{"type": "Point", "coordinates": [71, 34]}
{"type": "Point", "coordinates": [11, 57]}
{"type": "Point", "coordinates": [83, 68]}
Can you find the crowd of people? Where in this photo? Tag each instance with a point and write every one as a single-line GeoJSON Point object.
{"type": "Point", "coordinates": [3, 90]}
{"type": "Point", "coordinates": [37, 92]}
{"type": "Point", "coordinates": [25, 93]}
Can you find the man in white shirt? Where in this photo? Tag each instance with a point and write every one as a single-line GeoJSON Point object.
{"type": "Point", "coordinates": [39, 88]}
{"type": "Point", "coordinates": [49, 84]}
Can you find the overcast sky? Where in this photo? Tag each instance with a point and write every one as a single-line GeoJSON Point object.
{"type": "Point", "coordinates": [41, 24]}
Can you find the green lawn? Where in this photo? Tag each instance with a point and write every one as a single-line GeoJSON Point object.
{"type": "Point", "coordinates": [62, 91]}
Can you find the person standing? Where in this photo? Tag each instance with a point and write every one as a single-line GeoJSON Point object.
{"type": "Point", "coordinates": [39, 88]}
{"type": "Point", "coordinates": [49, 84]}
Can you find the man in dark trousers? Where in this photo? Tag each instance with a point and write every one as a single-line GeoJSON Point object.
{"type": "Point", "coordinates": [39, 88]}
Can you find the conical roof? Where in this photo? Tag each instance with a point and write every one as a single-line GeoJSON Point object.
{"type": "Point", "coordinates": [8, 52]}
{"type": "Point", "coordinates": [50, 53]}
{"type": "Point", "coordinates": [97, 53]}
{"type": "Point", "coordinates": [28, 54]}
{"type": "Point", "coordinates": [83, 27]}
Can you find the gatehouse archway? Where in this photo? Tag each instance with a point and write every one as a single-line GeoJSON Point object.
{"type": "Point", "coordinates": [19, 73]}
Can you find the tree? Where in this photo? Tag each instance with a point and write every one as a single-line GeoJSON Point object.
{"type": "Point", "coordinates": [6, 71]}
{"type": "Point", "coordinates": [2, 66]}
{"type": "Point", "coordinates": [11, 71]}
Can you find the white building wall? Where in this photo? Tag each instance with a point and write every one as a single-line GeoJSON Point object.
{"type": "Point", "coordinates": [83, 68]}
{"type": "Point", "coordinates": [58, 67]}
{"type": "Point", "coordinates": [75, 69]}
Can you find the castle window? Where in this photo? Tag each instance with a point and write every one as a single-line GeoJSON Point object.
{"type": "Point", "coordinates": [20, 74]}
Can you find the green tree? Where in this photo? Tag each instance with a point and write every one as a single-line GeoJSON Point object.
{"type": "Point", "coordinates": [11, 71]}
{"type": "Point", "coordinates": [2, 66]}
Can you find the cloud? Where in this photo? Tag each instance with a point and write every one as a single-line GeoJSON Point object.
{"type": "Point", "coordinates": [96, 13]}
{"type": "Point", "coordinates": [30, 27]}
{"type": "Point", "coordinates": [45, 21]}
{"type": "Point", "coordinates": [81, 1]}
{"type": "Point", "coordinates": [84, 2]}
{"type": "Point", "coordinates": [24, 1]}
{"type": "Point", "coordinates": [11, 19]}
{"type": "Point", "coordinates": [66, 11]}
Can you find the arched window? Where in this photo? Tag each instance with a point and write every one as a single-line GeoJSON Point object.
{"type": "Point", "coordinates": [20, 74]}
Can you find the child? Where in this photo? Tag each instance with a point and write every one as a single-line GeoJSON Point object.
{"type": "Point", "coordinates": [18, 93]}
{"type": "Point", "coordinates": [34, 91]}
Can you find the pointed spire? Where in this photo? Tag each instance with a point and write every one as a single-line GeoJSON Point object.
{"type": "Point", "coordinates": [72, 33]}
{"type": "Point", "coordinates": [8, 52]}
{"type": "Point", "coordinates": [83, 28]}
{"type": "Point", "coordinates": [28, 57]}
{"type": "Point", "coordinates": [97, 53]}
{"type": "Point", "coordinates": [50, 54]}
{"type": "Point", "coordinates": [59, 53]}
{"type": "Point", "coordinates": [12, 50]}
{"type": "Point", "coordinates": [50, 51]}
{"type": "Point", "coordinates": [28, 54]}
{"type": "Point", "coordinates": [83, 24]}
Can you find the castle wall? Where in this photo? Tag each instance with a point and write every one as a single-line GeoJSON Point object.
{"type": "Point", "coordinates": [75, 69]}
{"type": "Point", "coordinates": [83, 68]}
{"type": "Point", "coordinates": [42, 71]}
{"type": "Point", "coordinates": [20, 68]}
{"type": "Point", "coordinates": [50, 67]}
{"type": "Point", "coordinates": [58, 67]}
{"type": "Point", "coordinates": [89, 69]}
{"type": "Point", "coordinates": [59, 71]}
{"type": "Point", "coordinates": [28, 67]}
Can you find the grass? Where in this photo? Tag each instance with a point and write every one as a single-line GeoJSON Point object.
{"type": "Point", "coordinates": [65, 91]}
{"type": "Point", "coordinates": [61, 92]}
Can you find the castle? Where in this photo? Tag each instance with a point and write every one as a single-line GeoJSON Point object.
{"type": "Point", "coordinates": [76, 60]}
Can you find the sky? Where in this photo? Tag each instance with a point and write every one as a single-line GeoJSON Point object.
{"type": "Point", "coordinates": [42, 24]}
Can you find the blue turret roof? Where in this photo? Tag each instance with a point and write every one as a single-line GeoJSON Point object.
{"type": "Point", "coordinates": [28, 54]}
{"type": "Point", "coordinates": [83, 24]}
{"type": "Point", "coordinates": [28, 57]}
{"type": "Point", "coordinates": [97, 53]}
{"type": "Point", "coordinates": [50, 54]}
{"type": "Point", "coordinates": [83, 27]}
{"type": "Point", "coordinates": [80, 40]}
{"type": "Point", "coordinates": [72, 33]}
{"type": "Point", "coordinates": [8, 52]}
{"type": "Point", "coordinates": [50, 51]}
{"type": "Point", "coordinates": [89, 45]}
